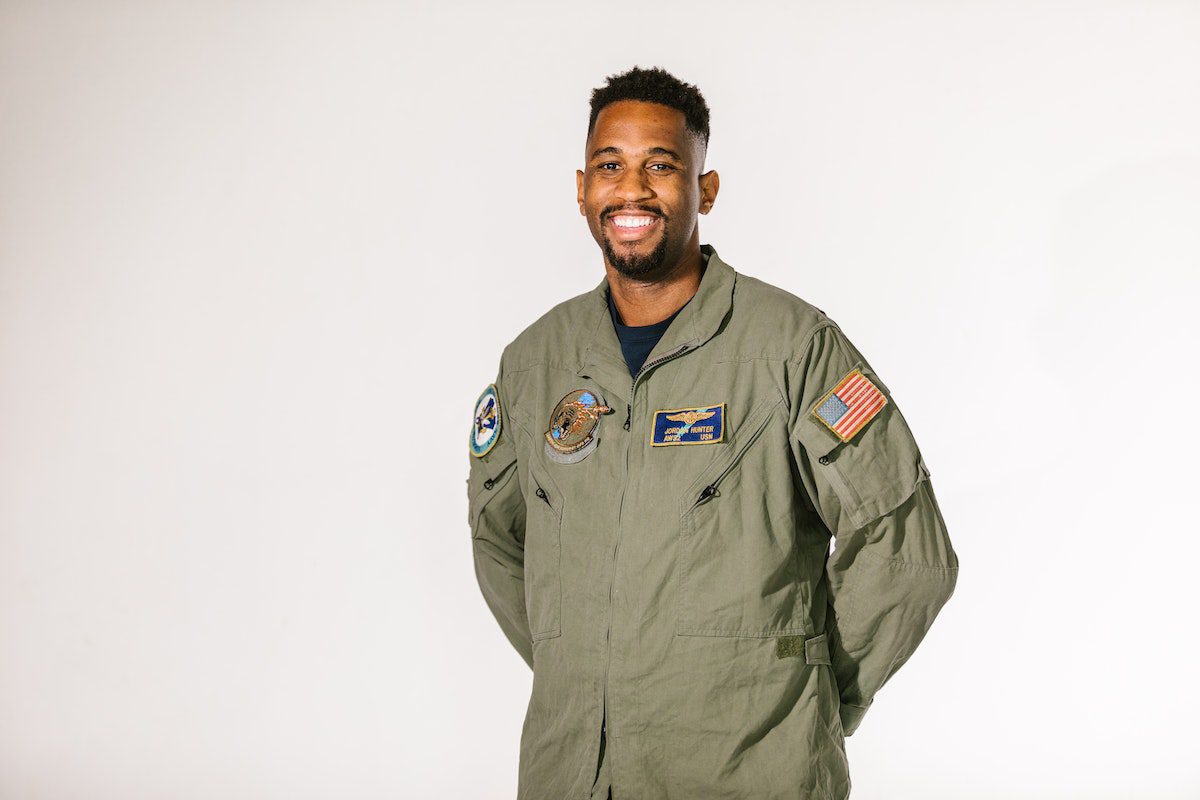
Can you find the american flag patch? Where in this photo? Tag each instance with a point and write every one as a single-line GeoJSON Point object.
{"type": "Point", "coordinates": [850, 405]}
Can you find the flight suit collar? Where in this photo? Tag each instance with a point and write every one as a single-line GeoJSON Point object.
{"type": "Point", "coordinates": [696, 323]}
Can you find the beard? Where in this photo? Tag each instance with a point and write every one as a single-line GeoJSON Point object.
{"type": "Point", "coordinates": [637, 266]}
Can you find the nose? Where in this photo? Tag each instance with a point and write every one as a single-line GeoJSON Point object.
{"type": "Point", "coordinates": [634, 186]}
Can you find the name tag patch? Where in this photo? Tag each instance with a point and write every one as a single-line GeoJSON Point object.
{"type": "Point", "coordinates": [699, 425]}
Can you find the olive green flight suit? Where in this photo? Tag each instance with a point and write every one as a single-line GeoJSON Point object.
{"type": "Point", "coordinates": [686, 596]}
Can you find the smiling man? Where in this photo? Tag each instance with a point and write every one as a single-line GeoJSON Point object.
{"type": "Point", "coordinates": [657, 475]}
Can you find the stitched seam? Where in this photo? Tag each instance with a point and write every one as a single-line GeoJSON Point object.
{"type": "Point", "coordinates": [544, 363]}
{"type": "Point", "coordinates": [541, 476]}
{"type": "Point", "coordinates": [809, 337]}
{"type": "Point", "coordinates": [804, 344]}
{"type": "Point", "coordinates": [476, 506]}
{"type": "Point", "coordinates": [915, 566]}
{"type": "Point", "coordinates": [689, 630]}
{"type": "Point", "coordinates": [516, 421]}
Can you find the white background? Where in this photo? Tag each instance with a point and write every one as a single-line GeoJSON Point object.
{"type": "Point", "coordinates": [257, 260]}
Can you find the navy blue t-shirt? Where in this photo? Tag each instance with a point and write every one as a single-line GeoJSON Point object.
{"type": "Point", "coordinates": [638, 340]}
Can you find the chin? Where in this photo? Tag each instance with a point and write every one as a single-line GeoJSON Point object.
{"type": "Point", "coordinates": [645, 267]}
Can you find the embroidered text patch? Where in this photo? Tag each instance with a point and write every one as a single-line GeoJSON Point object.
{"type": "Point", "coordinates": [699, 425]}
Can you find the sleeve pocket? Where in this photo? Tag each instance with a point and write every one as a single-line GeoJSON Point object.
{"type": "Point", "coordinates": [488, 476]}
{"type": "Point", "coordinates": [875, 471]}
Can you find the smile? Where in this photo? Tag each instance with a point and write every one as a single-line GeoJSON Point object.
{"type": "Point", "coordinates": [629, 227]}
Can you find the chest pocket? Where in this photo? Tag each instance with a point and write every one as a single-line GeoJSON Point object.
{"type": "Point", "coordinates": [736, 570]}
{"type": "Point", "coordinates": [543, 555]}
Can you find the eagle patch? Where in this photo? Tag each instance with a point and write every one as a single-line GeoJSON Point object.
{"type": "Point", "coordinates": [485, 431]}
{"type": "Point", "coordinates": [572, 432]}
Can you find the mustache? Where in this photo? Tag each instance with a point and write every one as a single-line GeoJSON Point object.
{"type": "Point", "coordinates": [631, 209]}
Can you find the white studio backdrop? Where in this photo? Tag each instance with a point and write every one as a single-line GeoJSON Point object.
{"type": "Point", "coordinates": [258, 259]}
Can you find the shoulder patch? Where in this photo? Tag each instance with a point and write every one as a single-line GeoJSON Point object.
{"type": "Point", "coordinates": [485, 431]}
{"type": "Point", "coordinates": [850, 405]}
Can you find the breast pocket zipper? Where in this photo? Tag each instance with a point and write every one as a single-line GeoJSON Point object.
{"type": "Point", "coordinates": [756, 425]}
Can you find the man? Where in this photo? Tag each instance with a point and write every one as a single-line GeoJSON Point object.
{"type": "Point", "coordinates": [656, 476]}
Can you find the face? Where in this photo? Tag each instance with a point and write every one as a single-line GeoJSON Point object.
{"type": "Point", "coordinates": [641, 188]}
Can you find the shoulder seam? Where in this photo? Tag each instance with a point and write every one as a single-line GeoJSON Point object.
{"type": "Point", "coordinates": [808, 339]}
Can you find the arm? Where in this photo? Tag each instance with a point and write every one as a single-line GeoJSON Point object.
{"type": "Point", "coordinates": [496, 509]}
{"type": "Point", "coordinates": [893, 567]}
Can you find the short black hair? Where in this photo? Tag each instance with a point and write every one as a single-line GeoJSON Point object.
{"type": "Point", "coordinates": [654, 85]}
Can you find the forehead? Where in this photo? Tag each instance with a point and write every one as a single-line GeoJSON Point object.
{"type": "Point", "coordinates": [634, 126]}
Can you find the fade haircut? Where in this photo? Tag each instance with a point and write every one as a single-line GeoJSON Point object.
{"type": "Point", "coordinates": [654, 85]}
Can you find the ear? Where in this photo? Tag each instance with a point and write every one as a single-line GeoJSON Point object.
{"type": "Point", "coordinates": [579, 191]}
{"type": "Point", "coordinates": [710, 183]}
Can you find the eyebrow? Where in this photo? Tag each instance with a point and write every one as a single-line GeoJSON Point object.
{"type": "Point", "coordinates": [650, 151]}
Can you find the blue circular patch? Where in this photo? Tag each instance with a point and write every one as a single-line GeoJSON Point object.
{"type": "Point", "coordinates": [485, 430]}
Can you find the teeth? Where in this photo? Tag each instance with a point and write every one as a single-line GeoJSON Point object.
{"type": "Point", "coordinates": [632, 222]}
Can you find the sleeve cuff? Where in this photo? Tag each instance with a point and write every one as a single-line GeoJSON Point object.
{"type": "Point", "coordinates": [852, 715]}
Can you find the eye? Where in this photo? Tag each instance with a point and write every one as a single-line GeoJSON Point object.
{"type": "Point", "coordinates": [606, 164]}
{"type": "Point", "coordinates": [668, 167]}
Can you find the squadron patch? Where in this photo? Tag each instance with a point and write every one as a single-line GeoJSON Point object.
{"type": "Point", "coordinates": [699, 425]}
{"type": "Point", "coordinates": [486, 429]}
{"type": "Point", "coordinates": [850, 405]}
{"type": "Point", "coordinates": [571, 435]}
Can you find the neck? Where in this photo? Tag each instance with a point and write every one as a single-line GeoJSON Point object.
{"type": "Point", "coordinates": [645, 302]}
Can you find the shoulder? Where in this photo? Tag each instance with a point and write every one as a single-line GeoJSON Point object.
{"type": "Point", "coordinates": [770, 322]}
{"type": "Point", "coordinates": [548, 340]}
{"type": "Point", "coordinates": [547, 346]}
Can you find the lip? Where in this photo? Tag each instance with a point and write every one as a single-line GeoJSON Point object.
{"type": "Point", "coordinates": [632, 234]}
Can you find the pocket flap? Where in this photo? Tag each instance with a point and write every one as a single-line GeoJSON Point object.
{"type": "Point", "coordinates": [496, 462]}
{"type": "Point", "coordinates": [877, 470]}
{"type": "Point", "coordinates": [487, 474]}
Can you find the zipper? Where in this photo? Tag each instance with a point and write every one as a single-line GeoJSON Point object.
{"type": "Point", "coordinates": [633, 387]}
{"type": "Point", "coordinates": [683, 348]}
{"type": "Point", "coordinates": [710, 490]}
{"type": "Point", "coordinates": [490, 482]}
{"type": "Point", "coordinates": [478, 500]}
{"type": "Point", "coordinates": [543, 495]}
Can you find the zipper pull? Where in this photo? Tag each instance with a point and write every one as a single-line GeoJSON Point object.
{"type": "Point", "coordinates": [542, 494]}
{"type": "Point", "coordinates": [708, 492]}
{"type": "Point", "coordinates": [628, 414]}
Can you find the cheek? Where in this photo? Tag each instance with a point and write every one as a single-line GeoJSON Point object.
{"type": "Point", "coordinates": [594, 205]}
{"type": "Point", "coordinates": [592, 212]}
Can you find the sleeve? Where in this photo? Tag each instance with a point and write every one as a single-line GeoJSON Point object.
{"type": "Point", "coordinates": [892, 567]}
{"type": "Point", "coordinates": [496, 509]}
